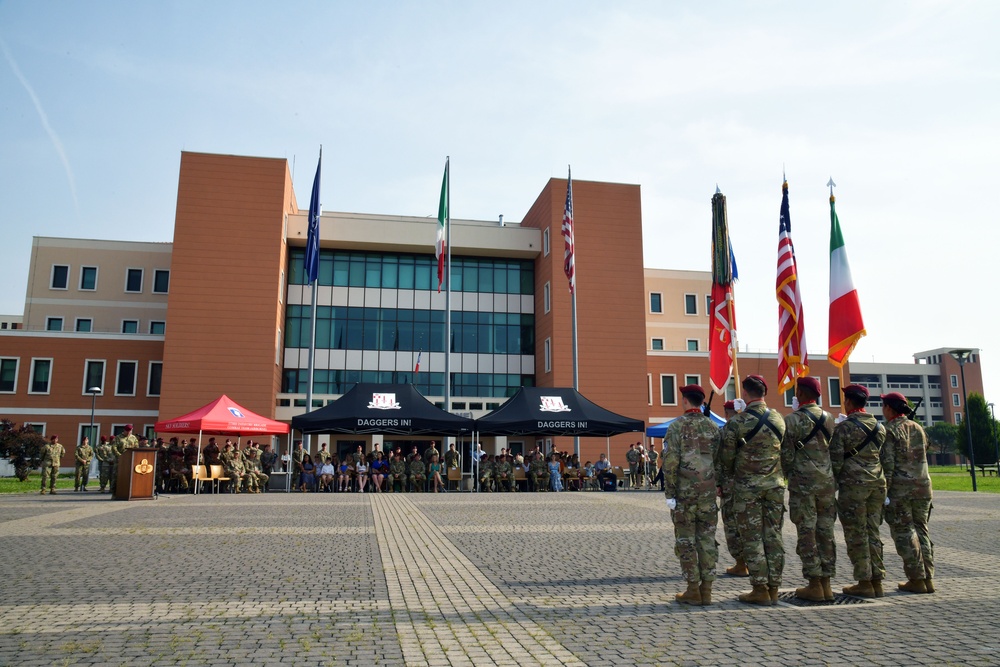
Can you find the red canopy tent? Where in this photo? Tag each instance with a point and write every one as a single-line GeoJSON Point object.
{"type": "Point", "coordinates": [223, 416]}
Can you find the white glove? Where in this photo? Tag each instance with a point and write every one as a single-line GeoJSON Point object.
{"type": "Point", "coordinates": [671, 503]}
{"type": "Point", "coordinates": [795, 402]}
{"type": "Point", "coordinates": [887, 501]}
{"type": "Point", "coordinates": [740, 405]}
{"type": "Point", "coordinates": [840, 418]}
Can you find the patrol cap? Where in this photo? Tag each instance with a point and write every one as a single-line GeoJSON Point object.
{"type": "Point", "coordinates": [729, 405]}
{"type": "Point", "coordinates": [896, 401]}
{"type": "Point", "coordinates": [811, 383]}
{"type": "Point", "coordinates": [692, 390]}
{"type": "Point", "coordinates": [856, 390]}
{"type": "Point", "coordinates": [755, 381]}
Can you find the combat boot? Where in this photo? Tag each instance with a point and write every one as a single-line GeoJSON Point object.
{"type": "Point", "coordinates": [759, 595]}
{"type": "Point", "coordinates": [773, 592]}
{"type": "Point", "coordinates": [739, 569]}
{"type": "Point", "coordinates": [862, 589]}
{"type": "Point", "coordinates": [929, 584]}
{"type": "Point", "coordinates": [877, 587]}
{"type": "Point", "coordinates": [914, 586]}
{"type": "Point", "coordinates": [813, 592]}
{"type": "Point", "coordinates": [691, 596]}
{"type": "Point", "coordinates": [827, 590]}
{"type": "Point", "coordinates": [706, 593]}
{"type": "Point", "coordinates": [42, 492]}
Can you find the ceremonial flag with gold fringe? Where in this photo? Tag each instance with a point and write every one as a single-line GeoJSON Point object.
{"type": "Point", "coordinates": [846, 323]}
{"type": "Point", "coordinates": [793, 360]}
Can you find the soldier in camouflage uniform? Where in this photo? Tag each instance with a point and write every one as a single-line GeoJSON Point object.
{"type": "Point", "coordinates": [124, 440]}
{"type": "Point", "coordinates": [451, 457]}
{"type": "Point", "coordinates": [634, 458]}
{"type": "Point", "coordinates": [210, 454]}
{"type": "Point", "coordinates": [487, 472]}
{"type": "Point", "coordinates": [418, 474]}
{"type": "Point", "coordinates": [812, 500]}
{"type": "Point", "coordinates": [689, 486]}
{"type": "Point", "coordinates": [504, 474]}
{"type": "Point", "coordinates": [162, 465]}
{"type": "Point", "coordinates": [234, 469]}
{"type": "Point", "coordinates": [651, 467]}
{"type": "Point", "coordinates": [904, 461]}
{"type": "Point", "coordinates": [175, 463]}
{"type": "Point", "coordinates": [84, 453]}
{"type": "Point", "coordinates": [727, 498]}
{"type": "Point", "coordinates": [256, 479]}
{"type": "Point", "coordinates": [52, 454]}
{"type": "Point", "coordinates": [105, 462]}
{"type": "Point", "coordinates": [538, 473]}
{"type": "Point", "coordinates": [397, 473]}
{"type": "Point", "coordinates": [750, 456]}
{"type": "Point", "coordinates": [855, 457]}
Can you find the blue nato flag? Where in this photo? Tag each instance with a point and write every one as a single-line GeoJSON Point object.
{"type": "Point", "coordinates": [312, 242]}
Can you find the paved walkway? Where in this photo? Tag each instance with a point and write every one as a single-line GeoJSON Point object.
{"type": "Point", "coordinates": [455, 579]}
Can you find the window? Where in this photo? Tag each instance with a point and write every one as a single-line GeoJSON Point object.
{"type": "Point", "coordinates": [545, 242]}
{"type": "Point", "coordinates": [281, 286]}
{"type": "Point", "coordinates": [692, 379]}
{"type": "Point", "coordinates": [954, 382]}
{"type": "Point", "coordinates": [53, 323]}
{"type": "Point", "coordinates": [692, 344]}
{"type": "Point", "coordinates": [834, 385]}
{"type": "Point", "coordinates": [125, 383]}
{"type": "Point", "coordinates": [547, 296]}
{"type": "Point", "coordinates": [161, 281]}
{"type": "Point", "coordinates": [668, 390]}
{"type": "Point", "coordinates": [8, 375]}
{"type": "Point", "coordinates": [87, 432]}
{"type": "Point", "coordinates": [708, 304]}
{"type": "Point", "coordinates": [133, 280]}
{"type": "Point", "coordinates": [548, 355]}
{"type": "Point", "coordinates": [690, 304]}
{"type": "Point", "coordinates": [84, 324]}
{"type": "Point", "coordinates": [157, 327]}
{"type": "Point", "coordinates": [657, 344]}
{"type": "Point", "coordinates": [88, 278]}
{"type": "Point", "coordinates": [41, 373]}
{"type": "Point", "coordinates": [130, 326]}
{"type": "Point", "coordinates": [789, 395]}
{"type": "Point", "coordinates": [956, 400]}
{"type": "Point", "coordinates": [655, 302]}
{"type": "Point", "coordinates": [155, 378]}
{"type": "Point", "coordinates": [60, 277]}
{"type": "Point", "coordinates": [958, 417]}
{"type": "Point", "coordinates": [93, 375]}
{"type": "Point", "coordinates": [38, 428]}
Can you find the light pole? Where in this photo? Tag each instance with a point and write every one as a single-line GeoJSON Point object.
{"type": "Point", "coordinates": [993, 427]}
{"type": "Point", "coordinates": [93, 391]}
{"type": "Point", "coordinates": [962, 356]}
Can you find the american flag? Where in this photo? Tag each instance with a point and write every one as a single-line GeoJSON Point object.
{"type": "Point", "coordinates": [793, 361]}
{"type": "Point", "coordinates": [569, 235]}
{"type": "Point", "coordinates": [416, 368]}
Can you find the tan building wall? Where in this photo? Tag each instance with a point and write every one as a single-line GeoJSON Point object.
{"type": "Point", "coordinates": [227, 276]}
{"type": "Point", "coordinates": [610, 302]}
{"type": "Point", "coordinates": [108, 304]}
{"type": "Point", "coordinates": [66, 406]}
{"type": "Point", "coordinates": [673, 325]}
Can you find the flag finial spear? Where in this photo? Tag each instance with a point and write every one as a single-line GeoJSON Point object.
{"type": "Point", "coordinates": [784, 178]}
{"type": "Point", "coordinates": [832, 185]}
{"type": "Point", "coordinates": [717, 190]}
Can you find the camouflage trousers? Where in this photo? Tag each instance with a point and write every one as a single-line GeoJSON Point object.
{"type": "Point", "coordinates": [104, 473]}
{"type": "Point", "coordinates": [539, 482]}
{"type": "Point", "coordinates": [733, 543]}
{"type": "Point", "coordinates": [417, 482]}
{"type": "Point", "coordinates": [82, 476]}
{"type": "Point", "coordinates": [860, 510]}
{"type": "Point", "coordinates": [635, 475]}
{"type": "Point", "coordinates": [501, 482]}
{"type": "Point", "coordinates": [694, 544]}
{"type": "Point", "coordinates": [759, 516]}
{"type": "Point", "coordinates": [907, 519]}
{"type": "Point", "coordinates": [49, 472]}
{"type": "Point", "coordinates": [814, 515]}
{"type": "Point", "coordinates": [397, 477]}
{"type": "Point", "coordinates": [256, 480]}
{"type": "Point", "coordinates": [113, 477]}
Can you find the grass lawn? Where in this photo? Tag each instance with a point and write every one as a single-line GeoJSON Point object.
{"type": "Point", "coordinates": [956, 478]}
{"type": "Point", "coordinates": [33, 484]}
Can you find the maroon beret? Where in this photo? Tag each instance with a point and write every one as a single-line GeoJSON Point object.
{"type": "Point", "coordinates": [811, 383]}
{"type": "Point", "coordinates": [693, 389]}
{"type": "Point", "coordinates": [856, 390]}
{"type": "Point", "coordinates": [895, 400]}
{"type": "Point", "coordinates": [753, 380]}
{"type": "Point", "coordinates": [729, 405]}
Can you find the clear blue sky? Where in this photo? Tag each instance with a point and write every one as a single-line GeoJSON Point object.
{"type": "Point", "coordinates": [898, 101]}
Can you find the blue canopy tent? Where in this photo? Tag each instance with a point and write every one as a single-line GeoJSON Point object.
{"type": "Point", "coordinates": [660, 430]}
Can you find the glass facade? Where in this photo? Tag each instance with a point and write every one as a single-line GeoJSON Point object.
{"type": "Point", "coordinates": [295, 381]}
{"type": "Point", "coordinates": [416, 272]}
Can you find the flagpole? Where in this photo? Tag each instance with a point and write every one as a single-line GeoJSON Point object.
{"type": "Point", "coordinates": [735, 345]}
{"type": "Point", "coordinates": [576, 360]}
{"type": "Point", "coordinates": [447, 281]}
{"type": "Point", "coordinates": [314, 210]}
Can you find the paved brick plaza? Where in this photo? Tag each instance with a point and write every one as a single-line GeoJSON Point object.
{"type": "Point", "coordinates": [570, 578]}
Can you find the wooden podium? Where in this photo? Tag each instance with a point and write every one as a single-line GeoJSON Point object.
{"type": "Point", "coordinates": [136, 477]}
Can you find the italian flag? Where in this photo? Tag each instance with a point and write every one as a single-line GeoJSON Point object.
{"type": "Point", "coordinates": [846, 324]}
{"type": "Point", "coordinates": [440, 247]}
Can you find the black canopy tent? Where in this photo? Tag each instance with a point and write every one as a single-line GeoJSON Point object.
{"type": "Point", "coordinates": [393, 409]}
{"type": "Point", "coordinates": [554, 411]}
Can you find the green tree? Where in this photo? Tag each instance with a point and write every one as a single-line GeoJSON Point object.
{"type": "Point", "coordinates": [21, 446]}
{"type": "Point", "coordinates": [982, 431]}
{"type": "Point", "coordinates": [943, 436]}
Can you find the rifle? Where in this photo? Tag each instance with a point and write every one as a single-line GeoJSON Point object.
{"type": "Point", "coordinates": [708, 406]}
{"type": "Point", "coordinates": [916, 406]}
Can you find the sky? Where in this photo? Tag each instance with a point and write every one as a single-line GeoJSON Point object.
{"type": "Point", "coordinates": [898, 102]}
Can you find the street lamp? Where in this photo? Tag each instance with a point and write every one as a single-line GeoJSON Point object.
{"type": "Point", "coordinates": [962, 356]}
{"type": "Point", "coordinates": [993, 427]}
{"type": "Point", "coordinates": [93, 391]}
